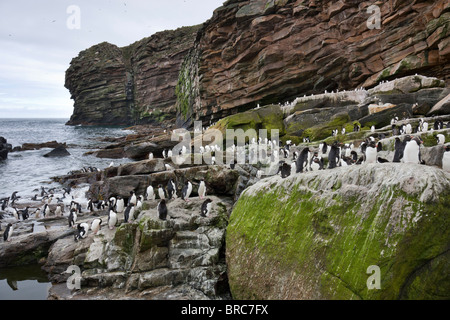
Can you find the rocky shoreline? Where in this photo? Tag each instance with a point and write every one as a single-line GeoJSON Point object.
{"type": "Point", "coordinates": [189, 256]}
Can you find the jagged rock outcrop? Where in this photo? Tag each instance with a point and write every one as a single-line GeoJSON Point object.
{"type": "Point", "coordinates": [123, 86]}
{"type": "Point", "coordinates": [315, 235]}
{"type": "Point", "coordinates": [5, 148]}
{"type": "Point", "coordinates": [267, 51]}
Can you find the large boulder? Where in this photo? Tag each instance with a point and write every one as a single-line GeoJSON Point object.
{"type": "Point", "coordinates": [318, 235]}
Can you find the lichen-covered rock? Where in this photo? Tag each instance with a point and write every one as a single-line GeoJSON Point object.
{"type": "Point", "coordinates": [314, 235]}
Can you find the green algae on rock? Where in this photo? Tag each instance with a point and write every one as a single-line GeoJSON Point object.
{"type": "Point", "coordinates": [314, 235]}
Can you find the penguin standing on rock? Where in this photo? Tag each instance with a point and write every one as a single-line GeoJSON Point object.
{"type": "Point", "coordinates": [82, 231]}
{"type": "Point", "coordinates": [161, 192]}
{"type": "Point", "coordinates": [202, 189]}
{"type": "Point", "coordinates": [96, 225]}
{"type": "Point", "coordinates": [400, 148]}
{"type": "Point", "coordinates": [129, 212]}
{"type": "Point", "coordinates": [72, 218]}
{"type": "Point", "coordinates": [8, 233]}
{"type": "Point", "coordinates": [112, 219]}
{"type": "Point", "coordinates": [412, 151]}
{"type": "Point", "coordinates": [120, 205]}
{"type": "Point", "coordinates": [162, 210]}
{"type": "Point", "coordinates": [370, 154]}
{"type": "Point", "coordinates": [206, 208]}
{"type": "Point", "coordinates": [302, 160]}
{"type": "Point", "coordinates": [46, 210]}
{"type": "Point", "coordinates": [334, 156]}
{"type": "Point", "coordinates": [171, 190]}
{"type": "Point", "coordinates": [133, 198]}
{"type": "Point", "coordinates": [285, 169]}
{"type": "Point", "coordinates": [316, 162]}
{"type": "Point", "coordinates": [187, 189]}
{"type": "Point", "coordinates": [150, 193]}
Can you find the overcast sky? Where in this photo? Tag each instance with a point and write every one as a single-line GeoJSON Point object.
{"type": "Point", "coordinates": [38, 39]}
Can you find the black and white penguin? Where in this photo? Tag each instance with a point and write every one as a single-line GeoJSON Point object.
{"type": "Point", "coordinates": [133, 198]}
{"type": "Point", "coordinates": [324, 149]}
{"type": "Point", "coordinates": [438, 124]}
{"type": "Point", "coordinates": [112, 202]}
{"type": "Point", "coordinates": [139, 203]}
{"type": "Point", "coordinates": [440, 139]}
{"type": "Point", "coordinates": [202, 189]}
{"type": "Point", "coordinates": [120, 205]}
{"type": "Point", "coordinates": [302, 161]}
{"type": "Point", "coordinates": [370, 152]}
{"type": "Point", "coordinates": [8, 233]}
{"type": "Point", "coordinates": [129, 212]}
{"type": "Point", "coordinates": [37, 213]}
{"type": "Point", "coordinates": [112, 219]}
{"type": "Point", "coordinates": [187, 189]}
{"type": "Point", "coordinates": [25, 214]}
{"type": "Point", "coordinates": [58, 211]}
{"type": "Point", "coordinates": [171, 190]}
{"type": "Point", "coordinates": [150, 193]}
{"type": "Point", "coordinates": [161, 192]}
{"type": "Point", "coordinates": [316, 162]}
{"type": "Point", "coordinates": [285, 152]}
{"type": "Point", "coordinates": [96, 225]}
{"type": "Point", "coordinates": [162, 210]}
{"type": "Point", "coordinates": [334, 155]}
{"type": "Point", "coordinates": [285, 169]}
{"type": "Point", "coordinates": [206, 208]}
{"type": "Point", "coordinates": [400, 148]}
{"type": "Point", "coordinates": [82, 231]}
{"type": "Point", "coordinates": [72, 218]}
{"type": "Point", "coordinates": [411, 153]}
{"type": "Point", "coordinates": [46, 210]}
{"type": "Point", "coordinates": [446, 159]}
{"type": "Point", "coordinates": [4, 204]}
{"type": "Point", "coordinates": [295, 155]}
{"type": "Point", "coordinates": [90, 205]}
{"type": "Point", "coordinates": [354, 156]}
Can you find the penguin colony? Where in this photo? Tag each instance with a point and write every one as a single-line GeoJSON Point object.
{"type": "Point", "coordinates": [407, 150]}
{"type": "Point", "coordinates": [116, 207]}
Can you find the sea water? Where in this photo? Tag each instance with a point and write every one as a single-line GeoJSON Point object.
{"type": "Point", "coordinates": [27, 171]}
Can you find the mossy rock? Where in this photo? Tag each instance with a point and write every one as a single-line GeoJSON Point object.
{"type": "Point", "coordinates": [317, 234]}
{"type": "Point", "coordinates": [268, 118]}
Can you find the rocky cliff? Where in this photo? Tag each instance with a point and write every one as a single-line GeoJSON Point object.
{"type": "Point", "coordinates": [315, 235]}
{"type": "Point", "coordinates": [134, 84]}
{"type": "Point", "coordinates": [266, 51]}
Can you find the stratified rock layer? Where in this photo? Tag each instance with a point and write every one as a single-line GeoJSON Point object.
{"type": "Point", "coordinates": [122, 86]}
{"type": "Point", "coordinates": [316, 235]}
{"type": "Point", "coordinates": [265, 51]}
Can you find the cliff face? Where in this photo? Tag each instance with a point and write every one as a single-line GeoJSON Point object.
{"type": "Point", "coordinates": [265, 51]}
{"type": "Point", "coordinates": [134, 84]}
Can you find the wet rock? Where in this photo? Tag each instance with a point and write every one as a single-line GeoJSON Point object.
{"type": "Point", "coordinates": [59, 151]}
